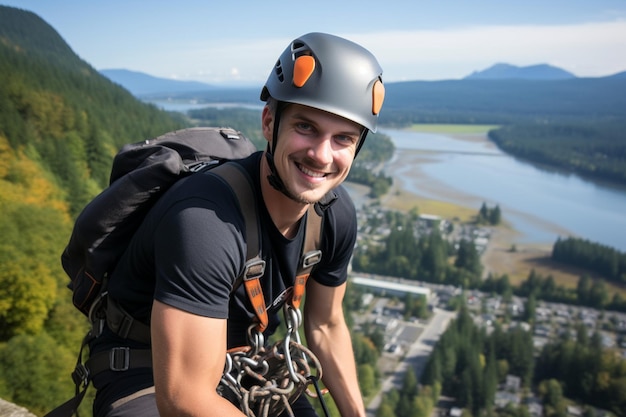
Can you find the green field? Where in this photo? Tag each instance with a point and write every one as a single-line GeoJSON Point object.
{"type": "Point", "coordinates": [452, 129]}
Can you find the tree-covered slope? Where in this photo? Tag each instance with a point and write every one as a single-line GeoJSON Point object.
{"type": "Point", "coordinates": [595, 150]}
{"type": "Point", "coordinates": [60, 111]}
{"type": "Point", "coordinates": [505, 101]}
{"type": "Point", "coordinates": [61, 122]}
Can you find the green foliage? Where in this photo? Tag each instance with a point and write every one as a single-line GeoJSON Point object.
{"type": "Point", "coordinates": [30, 273]}
{"type": "Point", "coordinates": [491, 216]}
{"type": "Point", "coordinates": [583, 370]}
{"type": "Point", "coordinates": [457, 363]}
{"type": "Point", "coordinates": [27, 292]}
{"type": "Point", "coordinates": [591, 293]}
{"type": "Point", "coordinates": [386, 410]}
{"type": "Point", "coordinates": [591, 149]}
{"type": "Point", "coordinates": [365, 351]}
{"type": "Point", "coordinates": [378, 148]}
{"type": "Point", "coordinates": [594, 257]}
{"type": "Point", "coordinates": [58, 106]}
{"type": "Point", "coordinates": [468, 258]}
{"type": "Point", "coordinates": [415, 307]}
{"type": "Point", "coordinates": [410, 400]}
{"type": "Point", "coordinates": [360, 173]}
{"type": "Point", "coordinates": [36, 372]}
{"type": "Point", "coordinates": [367, 379]}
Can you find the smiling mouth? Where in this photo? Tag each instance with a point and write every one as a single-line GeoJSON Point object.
{"type": "Point", "coordinates": [310, 173]}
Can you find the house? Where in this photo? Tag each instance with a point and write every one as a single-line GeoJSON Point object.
{"type": "Point", "coordinates": [574, 411]}
{"type": "Point", "coordinates": [513, 383]}
{"type": "Point", "coordinates": [455, 412]}
{"type": "Point", "coordinates": [391, 287]}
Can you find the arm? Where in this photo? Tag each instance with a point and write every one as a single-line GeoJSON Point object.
{"type": "Point", "coordinates": [188, 352]}
{"type": "Point", "coordinates": [329, 338]}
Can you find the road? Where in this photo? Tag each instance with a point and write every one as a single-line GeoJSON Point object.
{"type": "Point", "coordinates": [416, 356]}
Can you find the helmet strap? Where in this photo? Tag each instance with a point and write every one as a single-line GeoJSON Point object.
{"type": "Point", "coordinates": [274, 179]}
{"type": "Point", "coordinates": [364, 133]}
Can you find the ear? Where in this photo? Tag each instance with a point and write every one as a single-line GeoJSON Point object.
{"type": "Point", "coordinates": [267, 123]}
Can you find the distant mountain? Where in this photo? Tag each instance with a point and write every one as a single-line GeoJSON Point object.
{"type": "Point", "coordinates": [618, 75]}
{"type": "Point", "coordinates": [504, 101]}
{"type": "Point", "coordinates": [140, 84]}
{"type": "Point", "coordinates": [509, 72]}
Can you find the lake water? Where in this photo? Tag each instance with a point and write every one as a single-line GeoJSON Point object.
{"type": "Point", "coordinates": [540, 204]}
{"type": "Point", "coordinates": [185, 106]}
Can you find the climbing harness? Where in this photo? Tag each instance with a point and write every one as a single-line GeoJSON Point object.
{"type": "Point", "coordinates": [262, 380]}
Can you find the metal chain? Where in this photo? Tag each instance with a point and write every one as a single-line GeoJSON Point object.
{"type": "Point", "coordinates": [264, 380]}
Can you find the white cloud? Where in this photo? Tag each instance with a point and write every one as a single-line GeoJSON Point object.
{"type": "Point", "coordinates": [592, 49]}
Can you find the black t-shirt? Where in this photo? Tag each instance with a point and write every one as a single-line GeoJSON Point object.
{"type": "Point", "coordinates": [190, 249]}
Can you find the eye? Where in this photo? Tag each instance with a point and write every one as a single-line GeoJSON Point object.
{"type": "Point", "coordinates": [346, 140]}
{"type": "Point", "coordinates": [304, 127]}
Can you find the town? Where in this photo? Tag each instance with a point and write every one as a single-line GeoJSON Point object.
{"type": "Point", "coordinates": [409, 341]}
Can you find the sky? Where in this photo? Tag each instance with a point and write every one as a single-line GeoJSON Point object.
{"type": "Point", "coordinates": [236, 43]}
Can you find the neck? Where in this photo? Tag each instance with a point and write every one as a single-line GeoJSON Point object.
{"type": "Point", "coordinates": [284, 212]}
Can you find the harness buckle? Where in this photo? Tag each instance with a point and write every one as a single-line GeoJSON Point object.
{"type": "Point", "coordinates": [80, 375]}
{"type": "Point", "coordinates": [311, 258]}
{"type": "Point", "coordinates": [202, 165]}
{"type": "Point", "coordinates": [97, 314]}
{"type": "Point", "coordinates": [119, 359]}
{"type": "Point", "coordinates": [255, 269]}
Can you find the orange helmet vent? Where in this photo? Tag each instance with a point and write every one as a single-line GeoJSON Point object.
{"type": "Point", "coordinates": [302, 69]}
{"type": "Point", "coordinates": [378, 96]}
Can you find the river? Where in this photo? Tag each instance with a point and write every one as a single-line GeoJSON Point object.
{"type": "Point", "coordinates": [540, 204]}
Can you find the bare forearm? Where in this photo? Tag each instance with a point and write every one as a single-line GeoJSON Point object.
{"type": "Point", "coordinates": [189, 368]}
{"type": "Point", "coordinates": [333, 347]}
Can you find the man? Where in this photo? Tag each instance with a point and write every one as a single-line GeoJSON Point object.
{"type": "Point", "coordinates": [323, 96]}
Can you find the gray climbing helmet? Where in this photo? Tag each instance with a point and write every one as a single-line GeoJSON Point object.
{"type": "Point", "coordinates": [331, 74]}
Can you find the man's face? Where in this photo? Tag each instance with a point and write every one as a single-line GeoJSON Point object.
{"type": "Point", "coordinates": [315, 150]}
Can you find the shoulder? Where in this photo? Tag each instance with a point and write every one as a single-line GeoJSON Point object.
{"type": "Point", "coordinates": [211, 185]}
{"type": "Point", "coordinates": [339, 224]}
{"type": "Point", "coordinates": [341, 211]}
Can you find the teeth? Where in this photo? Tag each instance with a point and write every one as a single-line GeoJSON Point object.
{"type": "Point", "coordinates": [311, 173]}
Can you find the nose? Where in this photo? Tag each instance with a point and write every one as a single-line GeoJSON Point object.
{"type": "Point", "coordinates": [321, 150]}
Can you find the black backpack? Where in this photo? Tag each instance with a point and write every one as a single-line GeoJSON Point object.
{"type": "Point", "coordinates": [140, 174]}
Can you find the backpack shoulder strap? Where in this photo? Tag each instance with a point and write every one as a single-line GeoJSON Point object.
{"type": "Point", "coordinates": [311, 254]}
{"type": "Point", "coordinates": [241, 184]}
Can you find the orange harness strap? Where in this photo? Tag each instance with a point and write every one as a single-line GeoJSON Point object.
{"type": "Point", "coordinates": [311, 256]}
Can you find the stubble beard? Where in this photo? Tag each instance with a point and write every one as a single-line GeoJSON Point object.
{"type": "Point", "coordinates": [298, 198]}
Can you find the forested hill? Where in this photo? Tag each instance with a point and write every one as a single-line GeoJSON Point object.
{"type": "Point", "coordinates": [60, 124]}
{"type": "Point", "coordinates": [59, 112]}
{"type": "Point", "coordinates": [509, 101]}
